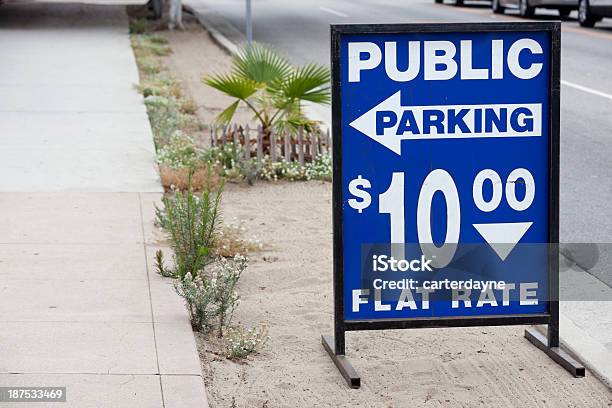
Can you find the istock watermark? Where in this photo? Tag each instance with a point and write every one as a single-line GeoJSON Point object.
{"type": "Point", "coordinates": [400, 276]}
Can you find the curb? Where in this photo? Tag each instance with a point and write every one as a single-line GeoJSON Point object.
{"type": "Point", "coordinates": [169, 398]}
{"type": "Point", "coordinates": [229, 46]}
{"type": "Point", "coordinates": [587, 349]}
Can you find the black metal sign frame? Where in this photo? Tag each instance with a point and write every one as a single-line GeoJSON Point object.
{"type": "Point", "coordinates": [549, 344]}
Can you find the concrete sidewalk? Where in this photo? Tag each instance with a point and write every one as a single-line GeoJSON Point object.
{"type": "Point", "coordinates": [80, 305]}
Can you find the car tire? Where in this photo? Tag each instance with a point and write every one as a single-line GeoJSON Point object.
{"type": "Point", "coordinates": [564, 12]}
{"type": "Point", "coordinates": [496, 7]}
{"type": "Point", "coordinates": [458, 2]}
{"type": "Point", "coordinates": [585, 18]}
{"type": "Point", "coordinates": [525, 10]}
{"type": "Point", "coordinates": [156, 7]}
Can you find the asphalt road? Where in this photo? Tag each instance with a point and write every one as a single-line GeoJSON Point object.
{"type": "Point", "coordinates": [300, 29]}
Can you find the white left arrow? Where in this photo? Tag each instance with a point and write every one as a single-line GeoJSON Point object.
{"type": "Point", "coordinates": [366, 123]}
{"type": "Point", "coordinates": [445, 122]}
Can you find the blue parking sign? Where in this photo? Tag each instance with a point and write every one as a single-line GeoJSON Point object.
{"type": "Point", "coordinates": [446, 173]}
{"type": "Point", "coordinates": [445, 155]}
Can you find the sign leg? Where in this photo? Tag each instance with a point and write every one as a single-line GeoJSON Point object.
{"type": "Point", "coordinates": [553, 325]}
{"type": "Point", "coordinates": [345, 367]}
{"type": "Point", "coordinates": [555, 352]}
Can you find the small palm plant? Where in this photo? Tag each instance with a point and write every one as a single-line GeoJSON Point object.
{"type": "Point", "coordinates": [273, 89]}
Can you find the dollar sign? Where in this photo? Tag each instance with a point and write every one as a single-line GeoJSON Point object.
{"type": "Point", "coordinates": [356, 187]}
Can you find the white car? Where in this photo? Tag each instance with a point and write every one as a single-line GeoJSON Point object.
{"type": "Point", "coordinates": [527, 8]}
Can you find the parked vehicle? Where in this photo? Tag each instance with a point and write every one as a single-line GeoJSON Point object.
{"type": "Point", "coordinates": [592, 11]}
{"type": "Point", "coordinates": [457, 2]}
{"type": "Point", "coordinates": [527, 7]}
{"type": "Point", "coordinates": [156, 6]}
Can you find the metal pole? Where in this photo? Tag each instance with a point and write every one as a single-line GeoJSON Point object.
{"type": "Point", "coordinates": [249, 23]}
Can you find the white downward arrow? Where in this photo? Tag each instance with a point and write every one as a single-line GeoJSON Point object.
{"type": "Point", "coordinates": [503, 237]}
{"type": "Point", "coordinates": [445, 122]}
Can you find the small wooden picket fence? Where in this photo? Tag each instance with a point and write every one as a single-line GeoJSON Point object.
{"type": "Point", "coordinates": [303, 147]}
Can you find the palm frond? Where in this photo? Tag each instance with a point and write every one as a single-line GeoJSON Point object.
{"type": "Point", "coordinates": [232, 85]}
{"type": "Point", "coordinates": [226, 116]}
{"type": "Point", "coordinates": [261, 64]}
{"type": "Point", "coordinates": [307, 83]}
{"type": "Point", "coordinates": [283, 103]}
{"type": "Point", "coordinates": [293, 119]}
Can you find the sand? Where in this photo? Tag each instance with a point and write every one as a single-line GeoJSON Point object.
{"type": "Point", "coordinates": [288, 286]}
